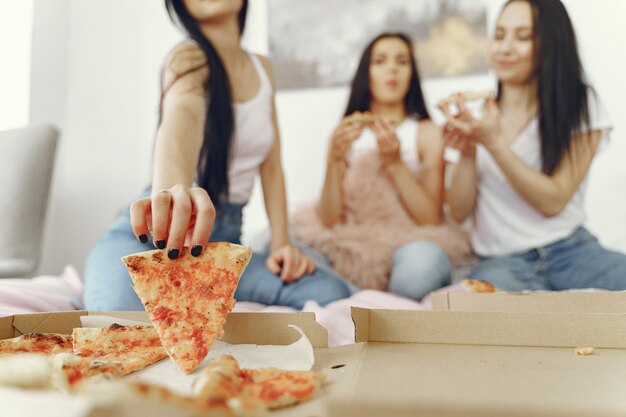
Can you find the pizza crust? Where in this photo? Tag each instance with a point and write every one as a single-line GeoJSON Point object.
{"type": "Point", "coordinates": [468, 96]}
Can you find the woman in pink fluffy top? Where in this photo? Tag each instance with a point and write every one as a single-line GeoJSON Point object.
{"type": "Point", "coordinates": [379, 217]}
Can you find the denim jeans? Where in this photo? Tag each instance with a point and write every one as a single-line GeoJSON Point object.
{"type": "Point", "coordinates": [577, 261]}
{"type": "Point", "coordinates": [419, 268]}
{"type": "Point", "coordinates": [108, 285]}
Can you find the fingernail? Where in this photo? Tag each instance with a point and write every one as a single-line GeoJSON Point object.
{"type": "Point", "coordinates": [161, 244]}
{"type": "Point", "coordinates": [173, 253]}
{"type": "Point", "coordinates": [196, 250]}
{"type": "Point", "coordinates": [143, 238]}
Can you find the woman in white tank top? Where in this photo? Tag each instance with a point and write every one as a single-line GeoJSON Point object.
{"type": "Point", "coordinates": [217, 132]}
{"type": "Point", "coordinates": [522, 174]}
{"type": "Point", "coordinates": [379, 215]}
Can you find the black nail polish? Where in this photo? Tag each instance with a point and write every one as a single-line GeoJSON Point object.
{"type": "Point", "coordinates": [161, 244]}
{"type": "Point", "coordinates": [173, 253]}
{"type": "Point", "coordinates": [196, 250]}
{"type": "Point", "coordinates": [143, 238]}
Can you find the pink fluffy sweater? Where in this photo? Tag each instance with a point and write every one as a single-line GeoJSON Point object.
{"type": "Point", "coordinates": [375, 224]}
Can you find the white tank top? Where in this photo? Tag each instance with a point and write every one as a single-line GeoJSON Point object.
{"type": "Point", "coordinates": [406, 132]}
{"type": "Point", "coordinates": [504, 223]}
{"type": "Point", "coordinates": [253, 138]}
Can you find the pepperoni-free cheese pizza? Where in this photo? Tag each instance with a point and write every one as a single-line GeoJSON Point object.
{"type": "Point", "coordinates": [188, 298]}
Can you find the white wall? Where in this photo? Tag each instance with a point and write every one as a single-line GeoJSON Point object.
{"type": "Point", "coordinates": [15, 62]}
{"type": "Point", "coordinates": [95, 74]}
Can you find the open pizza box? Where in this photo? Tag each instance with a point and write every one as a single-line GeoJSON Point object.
{"type": "Point", "coordinates": [240, 328]}
{"type": "Point", "coordinates": [432, 363]}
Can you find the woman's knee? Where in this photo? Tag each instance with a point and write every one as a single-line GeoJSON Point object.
{"type": "Point", "coordinates": [422, 261]}
{"type": "Point", "coordinates": [107, 284]}
{"type": "Point", "coordinates": [321, 287]}
{"type": "Point", "coordinates": [508, 274]}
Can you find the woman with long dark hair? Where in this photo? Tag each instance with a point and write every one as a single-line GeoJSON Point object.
{"type": "Point", "coordinates": [522, 173]}
{"type": "Point", "coordinates": [217, 131]}
{"type": "Point", "coordinates": [379, 216]}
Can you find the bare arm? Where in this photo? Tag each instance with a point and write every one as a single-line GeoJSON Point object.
{"type": "Point", "coordinates": [548, 194]}
{"type": "Point", "coordinates": [461, 196]}
{"type": "Point", "coordinates": [178, 140]}
{"type": "Point", "coordinates": [330, 207]}
{"type": "Point", "coordinates": [175, 211]}
{"type": "Point", "coordinates": [275, 198]}
{"type": "Point", "coordinates": [284, 258]}
{"type": "Point", "coordinates": [421, 198]}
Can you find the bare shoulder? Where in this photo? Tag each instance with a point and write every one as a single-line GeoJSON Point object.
{"type": "Point", "coordinates": [430, 140]}
{"type": "Point", "coordinates": [184, 57]}
{"type": "Point", "coordinates": [265, 61]}
{"type": "Point", "coordinates": [428, 129]}
{"type": "Point", "coordinates": [185, 68]}
{"type": "Point", "coordinates": [267, 66]}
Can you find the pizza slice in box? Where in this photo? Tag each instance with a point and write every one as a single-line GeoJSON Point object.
{"type": "Point", "coordinates": [116, 341]}
{"type": "Point", "coordinates": [265, 388]}
{"type": "Point", "coordinates": [188, 298]}
{"type": "Point", "coordinates": [134, 347]}
{"type": "Point", "coordinates": [44, 343]}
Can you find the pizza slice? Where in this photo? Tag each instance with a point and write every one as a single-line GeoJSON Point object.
{"type": "Point", "coordinates": [60, 371]}
{"type": "Point", "coordinates": [118, 341]}
{"type": "Point", "coordinates": [266, 388]}
{"type": "Point", "coordinates": [188, 298]}
{"type": "Point", "coordinates": [477, 285]}
{"type": "Point", "coordinates": [363, 117]}
{"type": "Point", "coordinates": [132, 347]}
{"type": "Point", "coordinates": [276, 388]}
{"type": "Point", "coordinates": [468, 96]}
{"type": "Point", "coordinates": [110, 352]}
{"type": "Point", "coordinates": [219, 380]}
{"type": "Point", "coordinates": [113, 395]}
{"type": "Point", "coordinates": [44, 343]}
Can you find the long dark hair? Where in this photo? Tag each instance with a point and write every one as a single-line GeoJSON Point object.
{"type": "Point", "coordinates": [212, 170]}
{"type": "Point", "coordinates": [561, 86]}
{"type": "Point", "coordinates": [360, 94]}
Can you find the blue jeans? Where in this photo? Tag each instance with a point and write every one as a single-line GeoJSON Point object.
{"type": "Point", "coordinates": [108, 285]}
{"type": "Point", "coordinates": [574, 262]}
{"type": "Point", "coordinates": [419, 268]}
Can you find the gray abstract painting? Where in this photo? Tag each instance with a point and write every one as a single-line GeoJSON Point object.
{"type": "Point", "coordinates": [318, 43]}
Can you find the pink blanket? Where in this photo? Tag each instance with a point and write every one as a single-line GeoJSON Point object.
{"type": "Point", "coordinates": [43, 293]}
{"type": "Point", "coordinates": [62, 293]}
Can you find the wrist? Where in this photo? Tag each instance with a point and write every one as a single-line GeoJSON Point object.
{"type": "Point", "coordinates": [496, 148]}
{"type": "Point", "coordinates": [469, 152]}
{"type": "Point", "coordinates": [393, 167]}
{"type": "Point", "coordinates": [277, 244]}
{"type": "Point", "coordinates": [336, 164]}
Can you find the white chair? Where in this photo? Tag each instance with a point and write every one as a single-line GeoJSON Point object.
{"type": "Point", "coordinates": [26, 163]}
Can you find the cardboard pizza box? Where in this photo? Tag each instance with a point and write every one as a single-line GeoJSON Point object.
{"type": "Point", "coordinates": [433, 363]}
{"type": "Point", "coordinates": [448, 363]}
{"type": "Point", "coordinates": [240, 328]}
{"type": "Point", "coordinates": [549, 301]}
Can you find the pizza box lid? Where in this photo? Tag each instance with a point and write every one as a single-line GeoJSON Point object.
{"type": "Point", "coordinates": [548, 301]}
{"type": "Point", "coordinates": [449, 363]}
{"type": "Point", "coordinates": [254, 328]}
